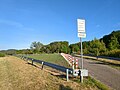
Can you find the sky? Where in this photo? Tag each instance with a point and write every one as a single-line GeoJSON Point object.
{"type": "Point", "coordinates": [25, 21]}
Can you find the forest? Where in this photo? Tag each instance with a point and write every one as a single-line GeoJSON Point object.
{"type": "Point", "coordinates": [109, 45]}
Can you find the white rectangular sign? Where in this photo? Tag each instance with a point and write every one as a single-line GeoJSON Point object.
{"type": "Point", "coordinates": [83, 72]}
{"type": "Point", "coordinates": [81, 25]}
{"type": "Point", "coordinates": [82, 35]}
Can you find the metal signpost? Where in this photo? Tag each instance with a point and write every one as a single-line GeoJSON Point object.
{"type": "Point", "coordinates": [81, 34]}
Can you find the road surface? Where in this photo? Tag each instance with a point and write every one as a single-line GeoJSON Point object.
{"type": "Point", "coordinates": [103, 73]}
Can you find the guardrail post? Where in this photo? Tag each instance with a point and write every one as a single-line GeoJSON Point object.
{"type": "Point", "coordinates": [23, 58]}
{"type": "Point", "coordinates": [27, 60]}
{"type": "Point", "coordinates": [32, 61]}
{"type": "Point", "coordinates": [81, 79]}
{"type": "Point", "coordinates": [81, 76]}
{"type": "Point", "coordinates": [42, 65]}
{"type": "Point", "coordinates": [67, 74]}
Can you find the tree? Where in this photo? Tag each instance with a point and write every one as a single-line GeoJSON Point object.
{"type": "Point", "coordinates": [57, 47]}
{"type": "Point", "coordinates": [97, 47]}
{"type": "Point", "coordinates": [74, 48]}
{"type": "Point", "coordinates": [36, 46]}
{"type": "Point", "coordinates": [86, 47]}
{"type": "Point", "coordinates": [107, 38]}
{"type": "Point", "coordinates": [63, 49]}
{"type": "Point", "coordinates": [46, 49]}
{"type": "Point", "coordinates": [114, 44]}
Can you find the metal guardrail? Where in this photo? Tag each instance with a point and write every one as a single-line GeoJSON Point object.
{"type": "Point", "coordinates": [75, 72]}
{"type": "Point", "coordinates": [57, 67]}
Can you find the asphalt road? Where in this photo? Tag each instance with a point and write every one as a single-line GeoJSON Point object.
{"type": "Point", "coordinates": [103, 73]}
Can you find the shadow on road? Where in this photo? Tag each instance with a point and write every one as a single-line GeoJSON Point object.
{"type": "Point", "coordinates": [97, 63]}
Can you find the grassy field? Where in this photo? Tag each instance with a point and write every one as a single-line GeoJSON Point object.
{"type": "Point", "coordinates": [16, 74]}
{"type": "Point", "coordinates": [53, 58]}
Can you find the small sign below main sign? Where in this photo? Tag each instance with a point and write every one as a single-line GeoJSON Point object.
{"type": "Point", "coordinates": [81, 25]}
{"type": "Point", "coordinates": [83, 72]}
{"type": "Point", "coordinates": [82, 35]}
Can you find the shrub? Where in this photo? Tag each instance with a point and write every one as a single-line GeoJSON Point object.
{"type": "Point", "coordinates": [2, 55]}
{"type": "Point", "coordinates": [113, 53]}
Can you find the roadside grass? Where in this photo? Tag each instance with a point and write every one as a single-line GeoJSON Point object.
{"type": "Point", "coordinates": [93, 82]}
{"type": "Point", "coordinates": [89, 82]}
{"type": "Point", "coordinates": [52, 58]}
{"type": "Point", "coordinates": [2, 54]}
{"type": "Point", "coordinates": [16, 74]}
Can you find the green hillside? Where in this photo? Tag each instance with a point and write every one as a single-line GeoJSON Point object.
{"type": "Point", "coordinates": [113, 37]}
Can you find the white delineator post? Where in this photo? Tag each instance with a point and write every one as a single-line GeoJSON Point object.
{"type": "Point", "coordinates": [67, 74]}
{"type": "Point", "coordinates": [32, 61]}
{"type": "Point", "coordinates": [42, 65]}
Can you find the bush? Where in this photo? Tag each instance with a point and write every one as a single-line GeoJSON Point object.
{"type": "Point", "coordinates": [113, 53]}
{"type": "Point", "coordinates": [2, 55]}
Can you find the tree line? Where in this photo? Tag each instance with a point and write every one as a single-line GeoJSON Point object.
{"type": "Point", "coordinates": [109, 45]}
{"type": "Point", "coordinates": [54, 47]}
